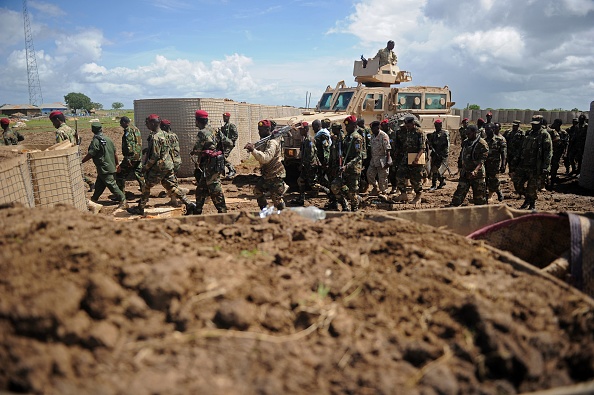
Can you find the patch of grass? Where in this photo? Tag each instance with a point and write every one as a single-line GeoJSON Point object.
{"type": "Point", "coordinates": [323, 290]}
{"type": "Point", "coordinates": [250, 253]}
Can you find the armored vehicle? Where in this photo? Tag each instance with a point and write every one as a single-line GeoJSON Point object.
{"type": "Point", "coordinates": [377, 96]}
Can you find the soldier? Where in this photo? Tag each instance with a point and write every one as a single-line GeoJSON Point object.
{"type": "Point", "coordinates": [322, 142]}
{"type": "Point", "coordinates": [463, 130]}
{"type": "Point", "coordinates": [158, 168]}
{"type": "Point", "coordinates": [410, 146]}
{"type": "Point", "coordinates": [347, 183]}
{"type": "Point", "coordinates": [132, 155]}
{"type": "Point", "coordinates": [334, 166]}
{"type": "Point", "coordinates": [489, 117]}
{"type": "Point", "coordinates": [175, 156]}
{"type": "Point", "coordinates": [210, 164]}
{"type": "Point", "coordinates": [366, 151]}
{"type": "Point", "coordinates": [387, 55]}
{"type": "Point", "coordinates": [480, 124]}
{"type": "Point", "coordinates": [572, 148]}
{"type": "Point", "coordinates": [385, 127]}
{"type": "Point", "coordinates": [230, 136]}
{"type": "Point", "coordinates": [533, 163]}
{"type": "Point", "coordinates": [439, 143]}
{"type": "Point", "coordinates": [65, 133]}
{"type": "Point", "coordinates": [380, 159]}
{"type": "Point", "coordinates": [309, 166]}
{"type": "Point", "coordinates": [580, 141]}
{"type": "Point", "coordinates": [271, 167]}
{"type": "Point", "coordinates": [9, 137]}
{"type": "Point", "coordinates": [496, 160]}
{"type": "Point", "coordinates": [102, 151]}
{"type": "Point", "coordinates": [559, 139]}
{"type": "Point", "coordinates": [471, 164]}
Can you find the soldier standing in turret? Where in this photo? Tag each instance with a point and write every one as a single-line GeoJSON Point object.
{"type": "Point", "coordinates": [387, 55]}
{"type": "Point", "coordinates": [210, 165]}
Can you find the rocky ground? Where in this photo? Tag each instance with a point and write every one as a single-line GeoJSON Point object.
{"type": "Point", "coordinates": [353, 305]}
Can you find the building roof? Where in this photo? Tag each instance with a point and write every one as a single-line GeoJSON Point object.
{"type": "Point", "coordinates": [19, 107]}
{"type": "Point", "coordinates": [53, 105]}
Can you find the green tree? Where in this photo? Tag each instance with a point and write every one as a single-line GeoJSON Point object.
{"type": "Point", "coordinates": [97, 106]}
{"type": "Point", "coordinates": [542, 109]}
{"type": "Point", "coordinates": [117, 105]}
{"type": "Point", "coordinates": [78, 101]}
{"type": "Point", "coordinates": [474, 107]}
{"type": "Point", "coordinates": [574, 110]}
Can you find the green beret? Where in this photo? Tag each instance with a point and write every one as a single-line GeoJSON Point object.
{"type": "Point", "coordinates": [96, 127]}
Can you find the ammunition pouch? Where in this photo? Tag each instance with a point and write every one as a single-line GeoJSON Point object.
{"type": "Point", "coordinates": [213, 162]}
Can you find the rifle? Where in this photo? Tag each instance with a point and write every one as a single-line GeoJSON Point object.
{"type": "Point", "coordinates": [364, 61]}
{"type": "Point", "coordinates": [77, 138]}
{"type": "Point", "coordinates": [281, 132]}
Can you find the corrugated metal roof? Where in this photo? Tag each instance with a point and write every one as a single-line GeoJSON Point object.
{"type": "Point", "coordinates": [53, 105]}
{"type": "Point", "coordinates": [19, 107]}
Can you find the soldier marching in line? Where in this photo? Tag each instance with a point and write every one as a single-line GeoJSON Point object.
{"type": "Point", "coordinates": [380, 161]}
{"type": "Point", "coordinates": [175, 156]}
{"type": "Point", "coordinates": [409, 140]}
{"type": "Point", "coordinates": [346, 185]}
{"type": "Point", "coordinates": [334, 165]}
{"type": "Point", "coordinates": [471, 164]}
{"type": "Point", "coordinates": [132, 155]}
{"type": "Point", "coordinates": [9, 137]}
{"type": "Point", "coordinates": [230, 136]}
{"type": "Point", "coordinates": [495, 162]}
{"type": "Point", "coordinates": [309, 166]}
{"type": "Point", "coordinates": [385, 127]}
{"type": "Point", "coordinates": [580, 141]}
{"type": "Point", "coordinates": [533, 163]}
{"type": "Point", "coordinates": [570, 161]}
{"type": "Point", "coordinates": [560, 139]}
{"type": "Point", "coordinates": [439, 144]}
{"type": "Point", "coordinates": [210, 165]}
{"type": "Point", "coordinates": [366, 152]}
{"type": "Point", "coordinates": [515, 139]}
{"type": "Point", "coordinates": [272, 169]}
{"type": "Point", "coordinates": [158, 168]}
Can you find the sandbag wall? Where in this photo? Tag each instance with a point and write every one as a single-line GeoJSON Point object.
{"type": "Point", "coordinates": [181, 114]}
{"type": "Point", "coordinates": [43, 178]}
{"type": "Point", "coordinates": [524, 116]}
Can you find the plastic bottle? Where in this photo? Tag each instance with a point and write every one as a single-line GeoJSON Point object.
{"type": "Point", "coordinates": [310, 212]}
{"type": "Point", "coordinates": [268, 211]}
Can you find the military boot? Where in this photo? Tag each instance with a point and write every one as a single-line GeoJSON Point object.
{"type": "Point", "coordinates": [433, 184]}
{"type": "Point", "coordinates": [123, 205]}
{"type": "Point", "coordinates": [344, 204]}
{"type": "Point", "coordinates": [190, 208]}
{"type": "Point", "coordinates": [417, 198]}
{"type": "Point", "coordinates": [299, 201]}
{"type": "Point", "coordinates": [525, 205]}
{"type": "Point", "coordinates": [138, 210]}
{"type": "Point", "coordinates": [442, 183]}
{"type": "Point", "coordinates": [532, 205]}
{"type": "Point", "coordinates": [403, 197]}
{"type": "Point", "coordinates": [199, 205]}
{"type": "Point", "coordinates": [221, 207]}
{"type": "Point", "coordinates": [500, 196]}
{"type": "Point", "coordinates": [281, 205]}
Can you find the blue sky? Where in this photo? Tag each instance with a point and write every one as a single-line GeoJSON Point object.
{"type": "Point", "coordinates": [495, 53]}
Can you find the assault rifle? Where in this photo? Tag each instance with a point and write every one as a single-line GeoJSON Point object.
{"type": "Point", "coordinates": [277, 133]}
{"type": "Point", "coordinates": [77, 138]}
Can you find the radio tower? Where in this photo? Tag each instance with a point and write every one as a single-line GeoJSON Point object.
{"type": "Point", "coordinates": [35, 97]}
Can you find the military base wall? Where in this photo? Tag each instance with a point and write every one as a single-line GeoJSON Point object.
{"type": "Point", "coordinates": [42, 176]}
{"type": "Point", "coordinates": [181, 114]}
{"type": "Point", "coordinates": [524, 116]}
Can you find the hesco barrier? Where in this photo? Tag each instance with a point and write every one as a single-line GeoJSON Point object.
{"type": "Point", "coordinates": [587, 171]}
{"type": "Point", "coordinates": [181, 114]}
{"type": "Point", "coordinates": [524, 116]}
{"type": "Point", "coordinates": [43, 178]}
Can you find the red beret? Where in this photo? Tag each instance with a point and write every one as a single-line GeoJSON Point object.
{"type": "Point", "coordinates": [465, 119]}
{"type": "Point", "coordinates": [437, 121]}
{"type": "Point", "coordinates": [384, 122]}
{"type": "Point", "coordinates": [304, 124]}
{"type": "Point", "coordinates": [264, 123]}
{"type": "Point", "coordinates": [153, 117]}
{"type": "Point", "coordinates": [4, 121]}
{"type": "Point", "coordinates": [350, 119]}
{"type": "Point", "coordinates": [55, 114]}
{"type": "Point", "coordinates": [480, 120]}
{"type": "Point", "coordinates": [226, 114]}
{"type": "Point", "coordinates": [489, 113]}
{"type": "Point", "coordinates": [165, 122]}
{"type": "Point", "coordinates": [201, 114]}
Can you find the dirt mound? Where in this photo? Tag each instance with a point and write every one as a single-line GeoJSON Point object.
{"type": "Point", "coordinates": [279, 305]}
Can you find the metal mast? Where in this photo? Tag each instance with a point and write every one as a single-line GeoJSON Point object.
{"type": "Point", "coordinates": [35, 97]}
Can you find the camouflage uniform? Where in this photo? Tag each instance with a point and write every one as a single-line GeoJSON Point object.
{"type": "Point", "coordinates": [273, 174]}
{"type": "Point", "coordinates": [366, 152]}
{"type": "Point", "coordinates": [580, 143]}
{"type": "Point", "coordinates": [462, 133]}
{"type": "Point", "coordinates": [334, 164]}
{"type": "Point", "coordinates": [533, 163]}
{"type": "Point", "coordinates": [394, 166]}
{"type": "Point", "coordinates": [323, 142]}
{"type": "Point", "coordinates": [208, 171]}
{"type": "Point", "coordinates": [514, 148]}
{"type": "Point", "coordinates": [132, 155]}
{"type": "Point", "coordinates": [229, 131]}
{"type": "Point", "coordinates": [572, 148]}
{"type": "Point", "coordinates": [473, 154]}
{"type": "Point", "coordinates": [439, 142]}
{"type": "Point", "coordinates": [497, 150]}
{"type": "Point", "coordinates": [379, 148]}
{"type": "Point", "coordinates": [65, 132]}
{"type": "Point", "coordinates": [102, 150]}
{"type": "Point", "coordinates": [309, 167]}
{"type": "Point", "coordinates": [412, 141]}
{"type": "Point", "coordinates": [175, 150]}
{"type": "Point", "coordinates": [559, 151]}
{"type": "Point", "coordinates": [348, 186]}
{"type": "Point", "coordinates": [158, 168]}
{"type": "Point", "coordinates": [11, 137]}
{"type": "Point", "coordinates": [386, 56]}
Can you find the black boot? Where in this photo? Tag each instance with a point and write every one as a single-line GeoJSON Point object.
{"type": "Point", "coordinates": [138, 210]}
{"type": "Point", "coordinates": [190, 208]}
{"type": "Point", "coordinates": [299, 201]}
{"type": "Point", "coordinates": [531, 205]}
{"type": "Point", "coordinates": [433, 184]}
{"type": "Point", "coordinates": [525, 205]}
{"type": "Point", "coordinates": [500, 196]}
{"type": "Point", "coordinates": [441, 183]}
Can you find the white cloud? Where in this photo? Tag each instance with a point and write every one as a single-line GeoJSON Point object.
{"type": "Point", "coordinates": [81, 47]}
{"type": "Point", "coordinates": [47, 8]}
{"type": "Point", "coordinates": [504, 43]}
{"type": "Point", "coordinates": [579, 7]}
{"type": "Point", "coordinates": [11, 29]}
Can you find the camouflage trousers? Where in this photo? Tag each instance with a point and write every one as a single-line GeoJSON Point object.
{"type": "Point", "coordinates": [275, 186]}
{"type": "Point", "coordinates": [308, 176]}
{"type": "Point", "coordinates": [347, 187]}
{"type": "Point", "coordinates": [107, 181]}
{"type": "Point", "coordinates": [555, 162]}
{"type": "Point", "coordinates": [165, 178]}
{"type": "Point", "coordinates": [479, 191]}
{"type": "Point", "coordinates": [209, 185]}
{"type": "Point", "coordinates": [436, 163]}
{"type": "Point", "coordinates": [382, 177]}
{"type": "Point", "coordinates": [392, 175]}
{"type": "Point", "coordinates": [414, 173]}
{"type": "Point", "coordinates": [228, 164]}
{"type": "Point", "coordinates": [491, 179]}
{"type": "Point", "coordinates": [529, 182]}
{"type": "Point", "coordinates": [126, 168]}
